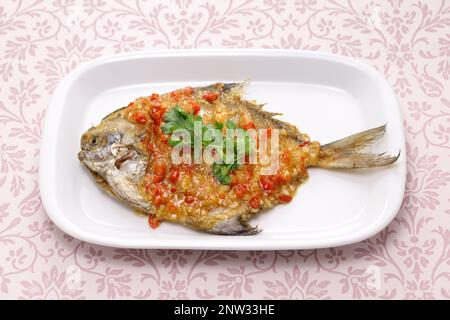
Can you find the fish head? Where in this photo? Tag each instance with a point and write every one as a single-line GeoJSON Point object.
{"type": "Point", "coordinates": [112, 148]}
{"type": "Point", "coordinates": [112, 151]}
{"type": "Point", "coordinates": [96, 144]}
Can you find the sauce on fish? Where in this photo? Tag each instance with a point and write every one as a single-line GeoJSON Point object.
{"type": "Point", "coordinates": [189, 192]}
{"type": "Point", "coordinates": [129, 154]}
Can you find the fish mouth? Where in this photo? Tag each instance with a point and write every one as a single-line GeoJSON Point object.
{"type": "Point", "coordinates": [81, 156]}
{"type": "Point", "coordinates": [85, 160]}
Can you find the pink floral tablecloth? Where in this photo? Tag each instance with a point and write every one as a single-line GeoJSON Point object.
{"type": "Point", "coordinates": [406, 41]}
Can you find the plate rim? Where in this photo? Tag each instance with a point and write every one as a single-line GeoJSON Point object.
{"type": "Point", "coordinates": [53, 111]}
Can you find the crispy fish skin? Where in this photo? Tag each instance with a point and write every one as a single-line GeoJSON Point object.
{"type": "Point", "coordinates": [116, 154]}
{"type": "Point", "coordinates": [113, 155]}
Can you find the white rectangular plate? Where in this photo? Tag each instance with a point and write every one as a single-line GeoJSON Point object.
{"type": "Point", "coordinates": [326, 96]}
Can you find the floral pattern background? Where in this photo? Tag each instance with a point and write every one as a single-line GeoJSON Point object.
{"type": "Point", "coordinates": [406, 41]}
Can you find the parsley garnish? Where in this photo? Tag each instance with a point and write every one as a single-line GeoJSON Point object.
{"type": "Point", "coordinates": [177, 118]}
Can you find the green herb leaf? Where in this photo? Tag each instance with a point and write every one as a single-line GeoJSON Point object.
{"type": "Point", "coordinates": [177, 118]}
{"type": "Point", "coordinates": [221, 173]}
{"type": "Point", "coordinates": [218, 125]}
{"type": "Point", "coordinates": [167, 128]}
{"type": "Point", "coordinates": [230, 124]}
{"type": "Point", "coordinates": [175, 115]}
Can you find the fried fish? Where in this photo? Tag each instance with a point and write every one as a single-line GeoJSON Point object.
{"type": "Point", "coordinates": [130, 155]}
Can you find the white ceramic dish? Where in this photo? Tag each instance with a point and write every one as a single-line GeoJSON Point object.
{"type": "Point", "coordinates": [326, 96]}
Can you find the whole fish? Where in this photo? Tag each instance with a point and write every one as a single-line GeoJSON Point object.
{"type": "Point", "coordinates": [129, 154]}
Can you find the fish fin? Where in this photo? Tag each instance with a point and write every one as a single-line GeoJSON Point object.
{"type": "Point", "coordinates": [237, 88]}
{"type": "Point", "coordinates": [234, 226]}
{"type": "Point", "coordinates": [112, 114]}
{"type": "Point", "coordinates": [345, 153]}
{"type": "Point", "coordinates": [253, 107]}
{"type": "Point", "coordinates": [272, 114]}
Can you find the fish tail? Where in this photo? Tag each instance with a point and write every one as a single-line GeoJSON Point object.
{"type": "Point", "coordinates": [346, 153]}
